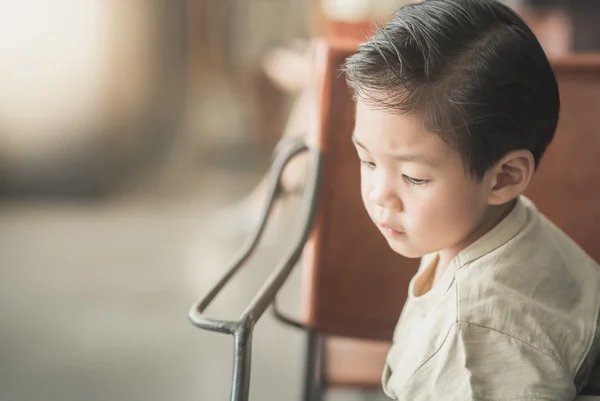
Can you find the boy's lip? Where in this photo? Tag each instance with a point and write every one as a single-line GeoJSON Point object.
{"type": "Point", "coordinates": [387, 229]}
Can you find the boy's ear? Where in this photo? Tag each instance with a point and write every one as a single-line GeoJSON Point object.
{"type": "Point", "coordinates": [511, 176]}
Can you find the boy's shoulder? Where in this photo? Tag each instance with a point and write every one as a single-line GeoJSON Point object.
{"type": "Point", "coordinates": [526, 244]}
{"type": "Point", "coordinates": [524, 235]}
{"type": "Point", "coordinates": [538, 287]}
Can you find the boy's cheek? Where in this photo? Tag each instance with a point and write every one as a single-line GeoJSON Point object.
{"type": "Point", "coordinates": [369, 209]}
{"type": "Point", "coordinates": [364, 193]}
{"type": "Point", "coordinates": [422, 223]}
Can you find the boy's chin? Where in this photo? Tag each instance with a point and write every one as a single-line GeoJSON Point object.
{"type": "Point", "coordinates": [405, 250]}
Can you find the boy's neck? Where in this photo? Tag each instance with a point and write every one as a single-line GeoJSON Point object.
{"type": "Point", "coordinates": [493, 216]}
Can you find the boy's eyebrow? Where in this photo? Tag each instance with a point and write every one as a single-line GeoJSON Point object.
{"type": "Point", "coordinates": [357, 143]}
{"type": "Point", "coordinates": [415, 158]}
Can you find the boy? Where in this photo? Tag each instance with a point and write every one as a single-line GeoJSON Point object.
{"type": "Point", "coordinates": [456, 104]}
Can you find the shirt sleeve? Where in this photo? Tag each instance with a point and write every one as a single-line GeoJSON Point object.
{"type": "Point", "coordinates": [482, 364]}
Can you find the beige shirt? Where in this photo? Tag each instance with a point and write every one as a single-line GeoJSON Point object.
{"type": "Point", "coordinates": [514, 317]}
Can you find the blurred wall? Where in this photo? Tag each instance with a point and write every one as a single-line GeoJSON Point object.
{"type": "Point", "coordinates": [84, 85]}
{"type": "Point", "coordinates": [228, 92]}
{"type": "Point", "coordinates": [53, 75]}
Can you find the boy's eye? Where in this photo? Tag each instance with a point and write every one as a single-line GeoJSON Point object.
{"type": "Point", "coordinates": [415, 181]}
{"type": "Point", "coordinates": [367, 164]}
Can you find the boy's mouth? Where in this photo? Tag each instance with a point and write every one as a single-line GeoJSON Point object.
{"type": "Point", "coordinates": [389, 231]}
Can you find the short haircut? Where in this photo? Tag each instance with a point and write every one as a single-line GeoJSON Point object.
{"type": "Point", "coordinates": [472, 69]}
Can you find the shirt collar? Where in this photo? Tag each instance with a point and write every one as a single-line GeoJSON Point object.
{"type": "Point", "coordinates": [503, 232]}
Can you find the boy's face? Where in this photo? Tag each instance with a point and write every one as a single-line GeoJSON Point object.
{"type": "Point", "coordinates": [414, 186]}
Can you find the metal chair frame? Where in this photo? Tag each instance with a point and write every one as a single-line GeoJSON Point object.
{"type": "Point", "coordinates": [242, 329]}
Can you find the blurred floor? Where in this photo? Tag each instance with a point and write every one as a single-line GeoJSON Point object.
{"type": "Point", "coordinates": [94, 299]}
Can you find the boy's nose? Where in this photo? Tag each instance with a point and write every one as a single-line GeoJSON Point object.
{"type": "Point", "coordinates": [385, 196]}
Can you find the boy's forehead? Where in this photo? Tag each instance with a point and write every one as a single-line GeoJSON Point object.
{"type": "Point", "coordinates": [402, 137]}
{"type": "Point", "coordinates": [382, 129]}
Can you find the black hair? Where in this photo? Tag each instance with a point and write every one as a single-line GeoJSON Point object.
{"type": "Point", "coordinates": [474, 71]}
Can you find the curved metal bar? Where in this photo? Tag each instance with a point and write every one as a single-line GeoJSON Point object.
{"type": "Point", "coordinates": [286, 153]}
{"type": "Point", "coordinates": [284, 318]}
{"type": "Point", "coordinates": [242, 328]}
{"type": "Point", "coordinates": [267, 293]}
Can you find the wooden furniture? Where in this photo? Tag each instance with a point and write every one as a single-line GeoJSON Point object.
{"type": "Point", "coordinates": [566, 187]}
{"type": "Point", "coordinates": [354, 285]}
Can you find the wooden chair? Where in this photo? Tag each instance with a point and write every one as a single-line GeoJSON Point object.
{"type": "Point", "coordinates": [354, 286]}
{"type": "Point", "coordinates": [566, 187]}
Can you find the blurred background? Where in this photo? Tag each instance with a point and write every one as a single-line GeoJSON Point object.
{"type": "Point", "coordinates": [134, 136]}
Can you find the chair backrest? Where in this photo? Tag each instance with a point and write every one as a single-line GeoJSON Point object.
{"type": "Point", "coordinates": [566, 187]}
{"type": "Point", "coordinates": [355, 285]}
